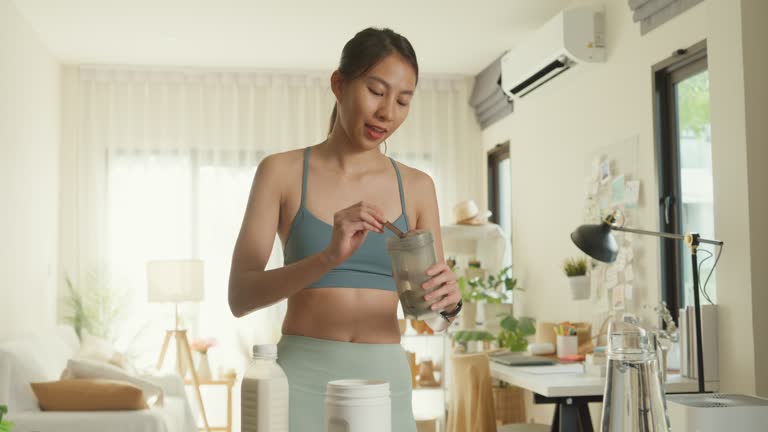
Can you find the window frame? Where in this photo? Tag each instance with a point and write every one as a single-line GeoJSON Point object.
{"type": "Point", "coordinates": [683, 64]}
{"type": "Point", "coordinates": [496, 155]}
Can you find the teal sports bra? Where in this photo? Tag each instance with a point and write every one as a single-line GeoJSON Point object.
{"type": "Point", "coordinates": [368, 267]}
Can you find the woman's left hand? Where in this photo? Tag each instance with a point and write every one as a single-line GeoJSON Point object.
{"type": "Point", "coordinates": [443, 281]}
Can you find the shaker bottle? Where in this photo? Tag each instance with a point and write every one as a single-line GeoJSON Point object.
{"type": "Point", "coordinates": [411, 256]}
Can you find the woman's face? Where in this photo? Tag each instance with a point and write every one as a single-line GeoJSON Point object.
{"type": "Point", "coordinates": [373, 106]}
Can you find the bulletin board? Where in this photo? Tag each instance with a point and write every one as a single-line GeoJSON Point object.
{"type": "Point", "coordinates": [612, 183]}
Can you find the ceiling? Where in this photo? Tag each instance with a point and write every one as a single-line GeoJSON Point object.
{"type": "Point", "coordinates": [450, 36]}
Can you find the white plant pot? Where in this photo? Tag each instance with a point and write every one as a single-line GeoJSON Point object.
{"type": "Point", "coordinates": [579, 287]}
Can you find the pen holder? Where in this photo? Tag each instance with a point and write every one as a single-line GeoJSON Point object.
{"type": "Point", "coordinates": [567, 345]}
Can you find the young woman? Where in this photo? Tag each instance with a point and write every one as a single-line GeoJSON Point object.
{"type": "Point", "coordinates": [328, 203]}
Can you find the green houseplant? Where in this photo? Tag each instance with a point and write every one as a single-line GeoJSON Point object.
{"type": "Point", "coordinates": [576, 270]}
{"type": "Point", "coordinates": [495, 288]}
{"type": "Point", "coordinates": [464, 337]}
{"type": "Point", "coordinates": [514, 332]}
{"type": "Point", "coordinates": [493, 291]}
{"type": "Point", "coordinates": [5, 425]}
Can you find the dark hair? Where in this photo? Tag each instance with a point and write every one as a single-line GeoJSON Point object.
{"type": "Point", "coordinates": [369, 47]}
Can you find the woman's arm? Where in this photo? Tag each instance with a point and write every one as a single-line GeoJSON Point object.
{"type": "Point", "coordinates": [428, 217]}
{"type": "Point", "coordinates": [250, 286]}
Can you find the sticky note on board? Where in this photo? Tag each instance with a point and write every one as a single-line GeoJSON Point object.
{"type": "Point", "coordinates": [632, 193]}
{"type": "Point", "coordinates": [596, 168]}
{"type": "Point", "coordinates": [617, 190]}
{"type": "Point", "coordinates": [628, 291]}
{"type": "Point", "coordinates": [628, 253]}
{"type": "Point", "coordinates": [617, 297]}
{"type": "Point", "coordinates": [605, 171]}
{"type": "Point", "coordinates": [621, 261]}
{"type": "Point", "coordinates": [628, 274]}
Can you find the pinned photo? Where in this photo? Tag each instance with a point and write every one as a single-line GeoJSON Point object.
{"type": "Point", "coordinates": [605, 171]}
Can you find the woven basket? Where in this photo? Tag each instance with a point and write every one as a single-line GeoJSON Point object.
{"type": "Point", "coordinates": [509, 404]}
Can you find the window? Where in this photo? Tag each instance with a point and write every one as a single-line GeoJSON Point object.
{"type": "Point", "coordinates": [500, 191]}
{"type": "Point", "coordinates": [684, 148]}
{"type": "Point", "coordinates": [175, 206]}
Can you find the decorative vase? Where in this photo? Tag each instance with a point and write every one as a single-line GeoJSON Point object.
{"type": "Point", "coordinates": [426, 376]}
{"type": "Point", "coordinates": [203, 368]}
{"type": "Point", "coordinates": [579, 287]}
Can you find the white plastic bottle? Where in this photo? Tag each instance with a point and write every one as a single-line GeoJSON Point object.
{"type": "Point", "coordinates": [264, 393]}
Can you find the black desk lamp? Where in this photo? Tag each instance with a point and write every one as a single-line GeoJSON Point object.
{"type": "Point", "coordinates": [598, 242]}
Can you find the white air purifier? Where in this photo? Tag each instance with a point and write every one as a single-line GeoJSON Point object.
{"type": "Point", "coordinates": [714, 412]}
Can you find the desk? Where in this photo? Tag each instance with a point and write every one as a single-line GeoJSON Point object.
{"type": "Point", "coordinates": [229, 383]}
{"type": "Point", "coordinates": [571, 391]}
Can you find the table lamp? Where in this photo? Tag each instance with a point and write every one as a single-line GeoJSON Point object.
{"type": "Point", "coordinates": [598, 241]}
{"type": "Point", "coordinates": [176, 281]}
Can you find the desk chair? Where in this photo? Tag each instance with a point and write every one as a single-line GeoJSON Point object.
{"type": "Point", "coordinates": [471, 408]}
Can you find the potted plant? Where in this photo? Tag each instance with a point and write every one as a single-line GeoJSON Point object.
{"type": "Point", "coordinates": [465, 337]}
{"type": "Point", "coordinates": [496, 293]}
{"type": "Point", "coordinates": [93, 307]}
{"type": "Point", "coordinates": [576, 270]}
{"type": "Point", "coordinates": [470, 293]}
{"type": "Point", "coordinates": [202, 345]}
{"type": "Point", "coordinates": [514, 332]}
{"type": "Point", "coordinates": [5, 425]}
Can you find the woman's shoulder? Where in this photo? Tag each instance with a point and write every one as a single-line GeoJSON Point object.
{"type": "Point", "coordinates": [281, 159]}
{"type": "Point", "coordinates": [282, 164]}
{"type": "Point", "coordinates": [415, 179]}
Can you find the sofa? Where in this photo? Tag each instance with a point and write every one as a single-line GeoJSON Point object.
{"type": "Point", "coordinates": [43, 355]}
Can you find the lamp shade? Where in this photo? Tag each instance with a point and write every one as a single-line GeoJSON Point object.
{"type": "Point", "coordinates": [175, 281]}
{"type": "Point", "coordinates": [596, 241]}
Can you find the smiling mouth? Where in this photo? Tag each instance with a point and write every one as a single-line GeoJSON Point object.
{"type": "Point", "coordinates": [376, 128]}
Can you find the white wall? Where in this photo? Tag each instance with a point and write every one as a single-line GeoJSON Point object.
{"type": "Point", "coordinates": [738, 65]}
{"type": "Point", "coordinates": [755, 34]}
{"type": "Point", "coordinates": [29, 152]}
{"type": "Point", "coordinates": [554, 129]}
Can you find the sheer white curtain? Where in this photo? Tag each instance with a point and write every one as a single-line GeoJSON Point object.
{"type": "Point", "coordinates": [162, 162]}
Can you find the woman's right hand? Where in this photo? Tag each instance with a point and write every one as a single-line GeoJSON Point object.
{"type": "Point", "coordinates": [350, 228]}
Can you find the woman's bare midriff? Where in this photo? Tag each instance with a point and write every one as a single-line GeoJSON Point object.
{"type": "Point", "coordinates": [360, 315]}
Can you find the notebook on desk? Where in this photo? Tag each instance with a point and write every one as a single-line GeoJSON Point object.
{"type": "Point", "coordinates": [518, 359]}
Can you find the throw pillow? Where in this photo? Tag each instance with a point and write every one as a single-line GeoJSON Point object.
{"type": "Point", "coordinates": [99, 349]}
{"type": "Point", "coordinates": [88, 395]}
{"type": "Point", "coordinates": [78, 369]}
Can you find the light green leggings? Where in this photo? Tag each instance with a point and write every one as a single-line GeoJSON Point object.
{"type": "Point", "coordinates": [310, 363]}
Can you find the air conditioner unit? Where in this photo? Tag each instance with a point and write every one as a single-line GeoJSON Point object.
{"type": "Point", "coordinates": [572, 36]}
